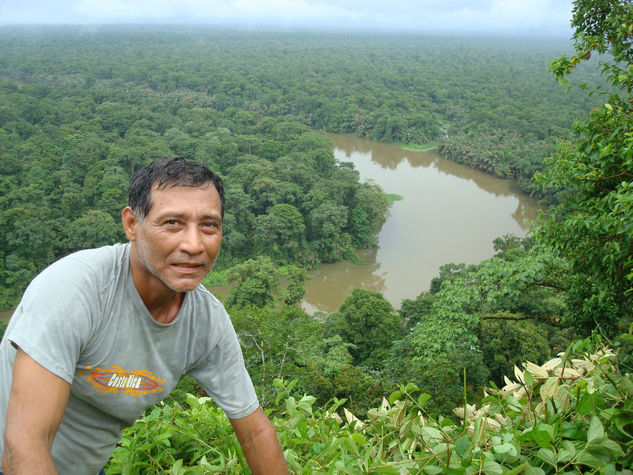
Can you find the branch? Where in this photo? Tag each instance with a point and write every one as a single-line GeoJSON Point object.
{"type": "Point", "coordinates": [508, 317]}
{"type": "Point", "coordinates": [595, 180]}
{"type": "Point", "coordinates": [550, 285]}
{"type": "Point", "coordinates": [283, 360]}
{"type": "Point", "coordinates": [263, 358]}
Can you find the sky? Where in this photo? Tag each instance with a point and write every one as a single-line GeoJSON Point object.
{"type": "Point", "coordinates": [533, 17]}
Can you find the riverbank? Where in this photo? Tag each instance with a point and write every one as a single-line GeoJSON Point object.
{"type": "Point", "coordinates": [450, 213]}
{"type": "Point", "coordinates": [419, 147]}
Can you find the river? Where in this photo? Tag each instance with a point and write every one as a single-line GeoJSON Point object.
{"type": "Point", "coordinates": [5, 315]}
{"type": "Point", "coordinates": [450, 213]}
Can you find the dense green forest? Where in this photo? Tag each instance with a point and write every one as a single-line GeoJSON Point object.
{"type": "Point", "coordinates": [544, 324]}
{"type": "Point", "coordinates": [81, 108]}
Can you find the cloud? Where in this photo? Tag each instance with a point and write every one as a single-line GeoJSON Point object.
{"type": "Point", "coordinates": [201, 11]}
{"type": "Point", "coordinates": [507, 15]}
{"type": "Point", "coordinates": [481, 15]}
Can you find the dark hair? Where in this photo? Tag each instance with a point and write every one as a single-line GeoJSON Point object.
{"type": "Point", "coordinates": [168, 172]}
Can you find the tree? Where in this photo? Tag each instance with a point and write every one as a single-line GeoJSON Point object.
{"type": "Point", "coordinates": [281, 233]}
{"type": "Point", "coordinates": [93, 229]}
{"type": "Point", "coordinates": [413, 311]}
{"type": "Point", "coordinates": [459, 326]}
{"type": "Point", "coordinates": [591, 228]}
{"type": "Point", "coordinates": [256, 282]}
{"type": "Point", "coordinates": [326, 224]}
{"type": "Point", "coordinates": [506, 343]}
{"type": "Point", "coordinates": [269, 341]}
{"type": "Point", "coordinates": [295, 290]}
{"type": "Point", "coordinates": [368, 216]}
{"type": "Point", "coordinates": [238, 224]}
{"type": "Point", "coordinates": [368, 321]}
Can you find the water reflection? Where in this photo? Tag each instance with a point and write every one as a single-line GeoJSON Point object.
{"type": "Point", "coordinates": [450, 213]}
{"type": "Point", "coordinates": [332, 283]}
{"type": "Point", "coordinates": [5, 315]}
{"type": "Point", "coordinates": [389, 157]}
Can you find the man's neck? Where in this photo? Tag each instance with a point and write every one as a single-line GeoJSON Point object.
{"type": "Point", "coordinates": [161, 302]}
{"type": "Point", "coordinates": [165, 310]}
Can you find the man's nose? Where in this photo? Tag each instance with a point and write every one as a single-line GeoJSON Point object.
{"type": "Point", "coordinates": [191, 241]}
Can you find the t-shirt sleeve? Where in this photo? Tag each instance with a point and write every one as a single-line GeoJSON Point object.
{"type": "Point", "coordinates": [224, 377]}
{"type": "Point", "coordinates": [54, 318]}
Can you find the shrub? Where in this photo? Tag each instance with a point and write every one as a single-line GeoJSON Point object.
{"type": "Point", "coordinates": [573, 414]}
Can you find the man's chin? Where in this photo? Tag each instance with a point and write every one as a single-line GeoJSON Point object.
{"type": "Point", "coordinates": [184, 285]}
{"type": "Point", "coordinates": [184, 282]}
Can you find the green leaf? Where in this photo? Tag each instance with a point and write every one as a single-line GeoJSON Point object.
{"type": "Point", "coordinates": [543, 435]}
{"type": "Point", "coordinates": [566, 452]}
{"type": "Point", "coordinates": [527, 434]}
{"type": "Point", "coordinates": [514, 403]}
{"type": "Point", "coordinates": [586, 404]}
{"type": "Point", "coordinates": [359, 438]}
{"type": "Point", "coordinates": [462, 446]}
{"type": "Point", "coordinates": [433, 470]}
{"type": "Point", "coordinates": [410, 387]}
{"type": "Point", "coordinates": [516, 470]}
{"type": "Point", "coordinates": [423, 398]}
{"type": "Point", "coordinates": [177, 468]}
{"type": "Point", "coordinates": [609, 469]}
{"type": "Point", "coordinates": [306, 403]}
{"type": "Point", "coordinates": [596, 431]}
{"type": "Point", "coordinates": [192, 401]}
{"type": "Point", "coordinates": [395, 396]}
{"type": "Point", "coordinates": [492, 468]}
{"type": "Point", "coordinates": [573, 431]}
{"type": "Point", "coordinates": [622, 421]}
{"type": "Point", "coordinates": [530, 470]}
{"type": "Point", "coordinates": [547, 456]}
{"type": "Point", "coordinates": [506, 449]}
{"type": "Point", "coordinates": [431, 435]}
{"type": "Point", "coordinates": [589, 460]}
{"type": "Point", "coordinates": [385, 469]}
{"type": "Point", "coordinates": [610, 446]}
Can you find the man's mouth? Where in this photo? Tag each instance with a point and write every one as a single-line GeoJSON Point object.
{"type": "Point", "coordinates": [188, 266]}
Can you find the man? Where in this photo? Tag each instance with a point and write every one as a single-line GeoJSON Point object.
{"type": "Point", "coordinates": [103, 334]}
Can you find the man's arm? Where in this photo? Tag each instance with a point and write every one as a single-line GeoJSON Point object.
{"type": "Point", "coordinates": [258, 439]}
{"type": "Point", "coordinates": [37, 402]}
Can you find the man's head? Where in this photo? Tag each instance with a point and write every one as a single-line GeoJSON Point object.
{"type": "Point", "coordinates": [174, 224]}
{"type": "Point", "coordinates": [165, 173]}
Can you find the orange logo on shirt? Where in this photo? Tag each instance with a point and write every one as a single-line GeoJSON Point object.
{"type": "Point", "coordinates": [118, 380]}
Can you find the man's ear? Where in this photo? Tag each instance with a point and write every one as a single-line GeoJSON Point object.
{"type": "Point", "coordinates": [130, 223]}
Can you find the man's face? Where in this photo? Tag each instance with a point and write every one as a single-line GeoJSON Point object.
{"type": "Point", "coordinates": [176, 245]}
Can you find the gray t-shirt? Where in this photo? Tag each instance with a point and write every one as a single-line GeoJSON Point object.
{"type": "Point", "coordinates": [83, 320]}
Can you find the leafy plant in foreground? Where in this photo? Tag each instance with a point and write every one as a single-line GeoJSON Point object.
{"type": "Point", "coordinates": [573, 414]}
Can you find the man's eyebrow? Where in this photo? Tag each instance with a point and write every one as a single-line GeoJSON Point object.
{"type": "Point", "coordinates": [177, 215]}
{"type": "Point", "coordinates": [170, 214]}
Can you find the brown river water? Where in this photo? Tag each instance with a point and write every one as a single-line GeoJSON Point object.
{"type": "Point", "coordinates": [450, 213]}
{"type": "Point", "coordinates": [5, 315]}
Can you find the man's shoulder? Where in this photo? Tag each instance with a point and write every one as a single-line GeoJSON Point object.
{"type": "Point", "coordinates": [106, 256]}
{"type": "Point", "coordinates": [206, 308]}
{"type": "Point", "coordinates": [202, 298]}
{"type": "Point", "coordinates": [89, 264]}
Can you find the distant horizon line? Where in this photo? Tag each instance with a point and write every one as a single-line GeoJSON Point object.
{"type": "Point", "coordinates": [280, 28]}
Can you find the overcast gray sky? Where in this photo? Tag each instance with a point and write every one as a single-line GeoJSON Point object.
{"type": "Point", "coordinates": [521, 16]}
